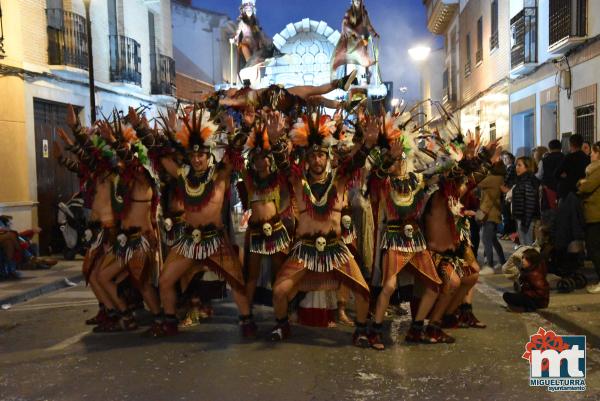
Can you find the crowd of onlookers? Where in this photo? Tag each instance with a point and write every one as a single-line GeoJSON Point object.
{"type": "Point", "coordinates": [547, 203]}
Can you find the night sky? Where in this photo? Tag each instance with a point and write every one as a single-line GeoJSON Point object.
{"type": "Point", "coordinates": [401, 24]}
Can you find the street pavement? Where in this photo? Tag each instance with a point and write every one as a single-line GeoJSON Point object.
{"type": "Point", "coordinates": [47, 353]}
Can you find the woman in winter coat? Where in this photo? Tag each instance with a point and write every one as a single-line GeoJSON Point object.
{"type": "Point", "coordinates": [589, 191]}
{"type": "Point", "coordinates": [490, 214]}
{"type": "Point", "coordinates": [526, 199]}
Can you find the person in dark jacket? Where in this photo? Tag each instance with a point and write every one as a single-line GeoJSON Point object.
{"type": "Point", "coordinates": [508, 223]}
{"type": "Point", "coordinates": [525, 200]}
{"type": "Point", "coordinates": [534, 290]}
{"type": "Point", "coordinates": [572, 168]}
{"type": "Point", "coordinates": [546, 169]}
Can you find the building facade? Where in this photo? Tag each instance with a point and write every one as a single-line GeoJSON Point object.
{"type": "Point", "coordinates": [554, 70]}
{"type": "Point", "coordinates": [203, 54]}
{"type": "Point", "coordinates": [45, 67]}
{"type": "Point", "coordinates": [477, 62]}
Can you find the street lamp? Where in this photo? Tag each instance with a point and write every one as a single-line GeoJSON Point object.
{"type": "Point", "coordinates": [92, 85]}
{"type": "Point", "coordinates": [419, 54]}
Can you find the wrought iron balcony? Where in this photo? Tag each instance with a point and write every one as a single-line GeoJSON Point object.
{"type": "Point", "coordinates": [523, 53]}
{"type": "Point", "coordinates": [67, 38]}
{"type": "Point", "coordinates": [567, 24]}
{"type": "Point", "coordinates": [163, 74]}
{"type": "Point", "coordinates": [125, 60]}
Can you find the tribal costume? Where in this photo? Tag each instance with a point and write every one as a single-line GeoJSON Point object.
{"type": "Point", "coordinates": [352, 48]}
{"type": "Point", "coordinates": [201, 246]}
{"type": "Point", "coordinates": [100, 238]}
{"type": "Point", "coordinates": [404, 200]}
{"type": "Point", "coordinates": [322, 258]}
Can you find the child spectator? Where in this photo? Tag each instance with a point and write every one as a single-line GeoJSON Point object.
{"type": "Point", "coordinates": [534, 291]}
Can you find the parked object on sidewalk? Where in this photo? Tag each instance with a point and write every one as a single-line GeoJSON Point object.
{"type": "Point", "coordinates": [72, 223]}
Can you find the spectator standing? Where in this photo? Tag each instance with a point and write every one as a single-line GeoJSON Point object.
{"type": "Point", "coordinates": [546, 174]}
{"type": "Point", "coordinates": [525, 199]}
{"type": "Point", "coordinates": [538, 153]}
{"type": "Point", "coordinates": [589, 191]}
{"type": "Point", "coordinates": [490, 215]}
{"type": "Point", "coordinates": [572, 168]}
{"type": "Point", "coordinates": [508, 224]}
{"type": "Point", "coordinates": [586, 148]}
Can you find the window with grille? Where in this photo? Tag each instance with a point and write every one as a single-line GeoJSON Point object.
{"type": "Point", "coordinates": [585, 122]}
{"type": "Point", "coordinates": [524, 37]}
{"type": "Point", "coordinates": [468, 54]}
{"type": "Point", "coordinates": [494, 23]}
{"type": "Point", "coordinates": [567, 18]}
{"type": "Point", "coordinates": [492, 132]}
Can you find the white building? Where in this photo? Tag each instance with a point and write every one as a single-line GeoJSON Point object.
{"type": "Point", "coordinates": [201, 49]}
{"type": "Point", "coordinates": [554, 65]}
{"type": "Point", "coordinates": [476, 63]}
{"type": "Point", "coordinates": [45, 67]}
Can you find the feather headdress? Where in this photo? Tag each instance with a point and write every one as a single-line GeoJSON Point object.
{"type": "Point", "coordinates": [314, 131]}
{"type": "Point", "coordinates": [258, 139]}
{"type": "Point", "coordinates": [197, 131]}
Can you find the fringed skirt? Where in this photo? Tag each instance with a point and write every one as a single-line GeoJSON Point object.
{"type": "Point", "coordinates": [172, 228]}
{"type": "Point", "coordinates": [268, 237]}
{"type": "Point", "coordinates": [212, 250]}
{"type": "Point", "coordinates": [137, 251]}
{"type": "Point", "coordinates": [461, 262]}
{"type": "Point", "coordinates": [99, 240]}
{"type": "Point", "coordinates": [326, 265]}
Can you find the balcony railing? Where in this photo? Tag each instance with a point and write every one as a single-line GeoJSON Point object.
{"type": "Point", "coordinates": [467, 68]}
{"type": "Point", "coordinates": [163, 74]}
{"type": "Point", "coordinates": [494, 43]}
{"type": "Point", "coordinates": [67, 38]}
{"type": "Point", "coordinates": [479, 56]}
{"type": "Point", "coordinates": [125, 61]}
{"type": "Point", "coordinates": [524, 33]}
{"type": "Point", "coordinates": [568, 18]}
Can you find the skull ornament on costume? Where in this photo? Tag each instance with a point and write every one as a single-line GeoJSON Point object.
{"type": "Point", "coordinates": [409, 231]}
{"type": "Point", "coordinates": [320, 244]}
{"type": "Point", "coordinates": [168, 224]}
{"type": "Point", "coordinates": [197, 236]}
{"type": "Point", "coordinates": [346, 221]}
{"type": "Point", "coordinates": [87, 235]}
{"type": "Point", "coordinates": [122, 239]}
{"type": "Point", "coordinates": [267, 229]}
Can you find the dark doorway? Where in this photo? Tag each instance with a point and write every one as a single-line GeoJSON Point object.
{"type": "Point", "coordinates": [54, 183]}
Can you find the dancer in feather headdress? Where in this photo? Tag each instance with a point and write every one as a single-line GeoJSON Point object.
{"type": "Point", "coordinates": [204, 185]}
{"type": "Point", "coordinates": [318, 259]}
{"type": "Point", "coordinates": [402, 193]}
{"type": "Point", "coordinates": [134, 199]}
{"type": "Point", "coordinates": [447, 228]}
{"type": "Point", "coordinates": [95, 163]}
{"type": "Point", "coordinates": [267, 237]}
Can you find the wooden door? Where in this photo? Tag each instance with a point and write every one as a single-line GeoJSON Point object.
{"type": "Point", "coordinates": [54, 183]}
